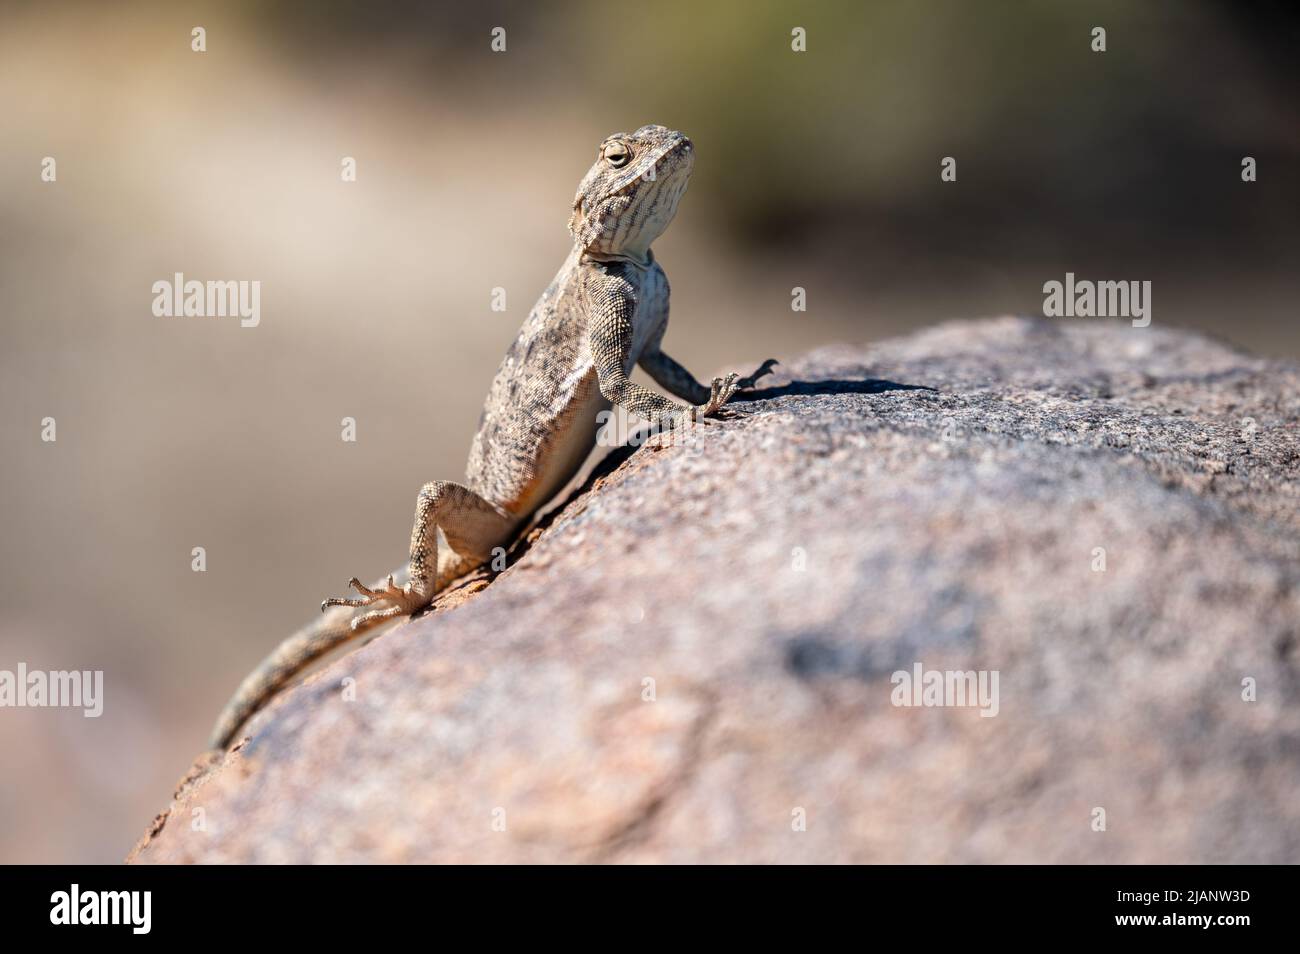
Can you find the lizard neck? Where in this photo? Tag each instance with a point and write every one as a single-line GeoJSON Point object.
{"type": "Point", "coordinates": [644, 261]}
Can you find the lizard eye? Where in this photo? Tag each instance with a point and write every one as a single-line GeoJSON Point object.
{"type": "Point", "coordinates": [616, 154]}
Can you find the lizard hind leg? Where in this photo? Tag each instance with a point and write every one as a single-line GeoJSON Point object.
{"type": "Point", "coordinates": [471, 525]}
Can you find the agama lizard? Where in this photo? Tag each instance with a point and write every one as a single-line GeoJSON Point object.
{"type": "Point", "coordinates": [605, 312]}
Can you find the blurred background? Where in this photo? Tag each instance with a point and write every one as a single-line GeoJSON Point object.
{"type": "Point", "coordinates": [818, 169]}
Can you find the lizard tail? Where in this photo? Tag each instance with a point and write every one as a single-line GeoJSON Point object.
{"type": "Point", "coordinates": [292, 656]}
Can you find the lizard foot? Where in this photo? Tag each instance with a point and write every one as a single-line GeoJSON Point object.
{"type": "Point", "coordinates": [719, 394]}
{"type": "Point", "coordinates": [723, 390]}
{"type": "Point", "coordinates": [406, 600]}
{"type": "Point", "coordinates": [744, 384]}
{"type": "Point", "coordinates": [689, 415]}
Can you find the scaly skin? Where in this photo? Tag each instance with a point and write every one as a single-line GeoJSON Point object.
{"type": "Point", "coordinates": [605, 312]}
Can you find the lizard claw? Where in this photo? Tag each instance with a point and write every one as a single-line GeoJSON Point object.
{"type": "Point", "coordinates": [406, 600]}
{"type": "Point", "coordinates": [764, 369]}
{"type": "Point", "coordinates": [720, 394]}
{"type": "Point", "coordinates": [722, 391]}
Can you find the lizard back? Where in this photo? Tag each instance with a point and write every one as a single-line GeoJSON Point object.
{"type": "Point", "coordinates": [548, 379]}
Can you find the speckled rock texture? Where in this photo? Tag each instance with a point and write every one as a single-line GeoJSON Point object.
{"type": "Point", "coordinates": [691, 661]}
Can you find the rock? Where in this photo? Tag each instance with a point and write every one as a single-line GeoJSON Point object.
{"type": "Point", "coordinates": [1105, 516]}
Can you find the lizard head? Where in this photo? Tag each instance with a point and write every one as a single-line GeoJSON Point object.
{"type": "Point", "coordinates": [629, 196]}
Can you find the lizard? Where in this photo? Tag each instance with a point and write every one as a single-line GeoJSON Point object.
{"type": "Point", "coordinates": [604, 313]}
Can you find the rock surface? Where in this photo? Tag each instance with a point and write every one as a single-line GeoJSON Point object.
{"type": "Point", "coordinates": [942, 499]}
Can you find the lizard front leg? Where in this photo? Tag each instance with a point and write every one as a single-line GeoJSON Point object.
{"type": "Point", "coordinates": [472, 526]}
{"type": "Point", "coordinates": [674, 378]}
{"type": "Point", "coordinates": [610, 336]}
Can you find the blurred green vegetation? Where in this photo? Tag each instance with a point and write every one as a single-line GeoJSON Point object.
{"type": "Point", "coordinates": [1140, 144]}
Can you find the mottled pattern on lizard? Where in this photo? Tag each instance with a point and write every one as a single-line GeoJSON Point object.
{"type": "Point", "coordinates": [605, 312]}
